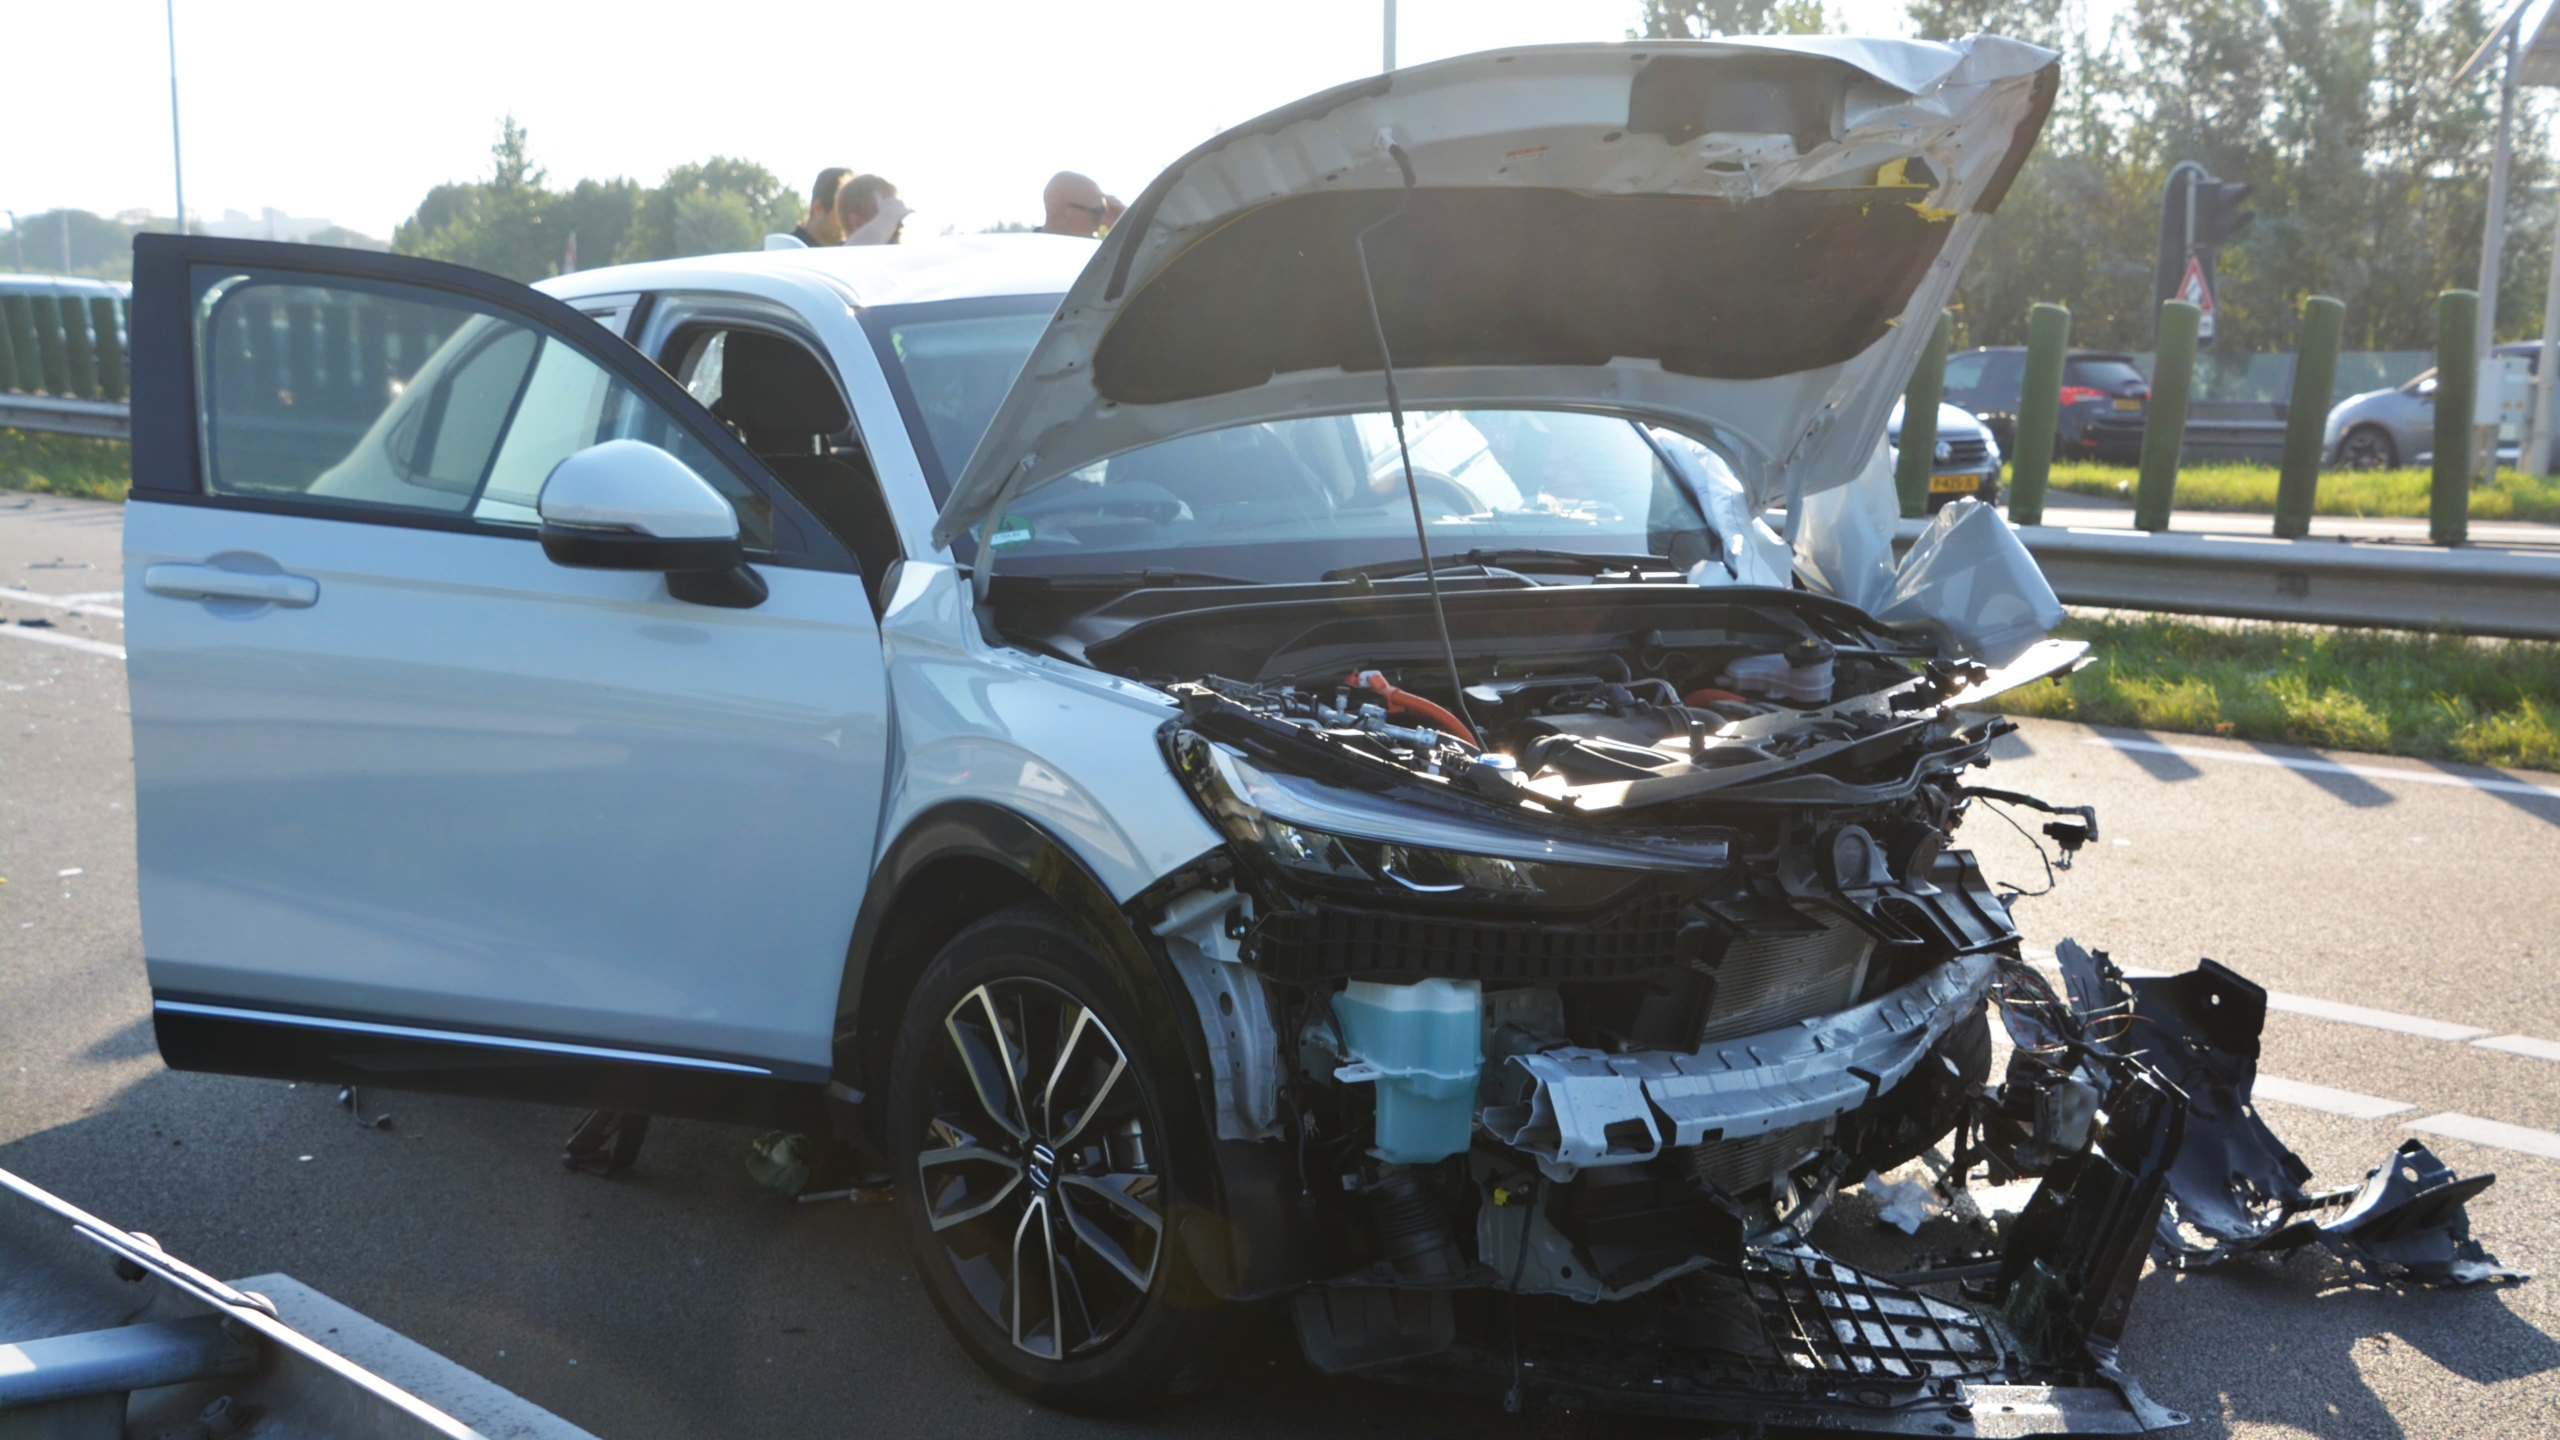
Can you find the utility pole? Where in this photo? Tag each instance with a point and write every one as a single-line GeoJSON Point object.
{"type": "Point", "coordinates": [1390, 62]}
{"type": "Point", "coordinates": [64, 216]}
{"type": "Point", "coordinates": [2492, 240]}
{"type": "Point", "coordinates": [177, 161]}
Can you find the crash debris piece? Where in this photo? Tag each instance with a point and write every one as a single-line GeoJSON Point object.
{"type": "Point", "coordinates": [2234, 1188]}
{"type": "Point", "coordinates": [1902, 1204]}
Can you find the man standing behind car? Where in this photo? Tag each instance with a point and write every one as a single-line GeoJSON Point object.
{"type": "Point", "coordinates": [819, 226]}
{"type": "Point", "coordinates": [869, 211]}
{"type": "Point", "coordinates": [1074, 205]}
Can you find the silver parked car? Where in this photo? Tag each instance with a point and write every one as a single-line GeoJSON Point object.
{"type": "Point", "coordinates": [2382, 429]}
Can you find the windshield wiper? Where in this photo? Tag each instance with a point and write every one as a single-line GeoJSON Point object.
{"type": "Point", "coordinates": [1134, 579]}
{"type": "Point", "coordinates": [1572, 561]}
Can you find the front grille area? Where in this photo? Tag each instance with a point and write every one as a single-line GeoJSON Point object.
{"type": "Point", "coordinates": [1320, 941]}
{"type": "Point", "coordinates": [1822, 1315]}
{"type": "Point", "coordinates": [1741, 1169]}
{"type": "Point", "coordinates": [1765, 981]}
{"type": "Point", "coordinates": [1962, 454]}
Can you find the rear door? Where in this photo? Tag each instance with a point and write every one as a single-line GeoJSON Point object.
{"type": "Point", "coordinates": [416, 804]}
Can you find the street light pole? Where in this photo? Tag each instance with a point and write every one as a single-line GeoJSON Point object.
{"type": "Point", "coordinates": [1390, 62]}
{"type": "Point", "coordinates": [2492, 240]}
{"type": "Point", "coordinates": [177, 160]}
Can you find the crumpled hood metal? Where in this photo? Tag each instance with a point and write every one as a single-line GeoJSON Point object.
{"type": "Point", "coordinates": [1640, 152]}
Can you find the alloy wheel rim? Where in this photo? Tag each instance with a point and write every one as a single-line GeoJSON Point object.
{"type": "Point", "coordinates": [1038, 1172]}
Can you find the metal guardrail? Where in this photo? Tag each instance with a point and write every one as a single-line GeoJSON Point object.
{"type": "Point", "coordinates": [101, 419]}
{"type": "Point", "coordinates": [2475, 590]}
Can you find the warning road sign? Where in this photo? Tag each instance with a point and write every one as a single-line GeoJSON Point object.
{"type": "Point", "coordinates": [2196, 291]}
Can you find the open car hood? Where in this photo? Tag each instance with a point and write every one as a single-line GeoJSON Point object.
{"type": "Point", "coordinates": [1735, 238]}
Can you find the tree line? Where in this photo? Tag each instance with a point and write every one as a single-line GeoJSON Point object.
{"type": "Point", "coordinates": [2371, 166]}
{"type": "Point", "coordinates": [514, 224]}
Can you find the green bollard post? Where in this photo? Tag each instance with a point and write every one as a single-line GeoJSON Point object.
{"type": "Point", "coordinates": [2164, 430]}
{"type": "Point", "coordinates": [111, 366]}
{"type": "Point", "coordinates": [2457, 385]}
{"type": "Point", "coordinates": [1917, 450]}
{"type": "Point", "coordinates": [79, 358]}
{"type": "Point", "coordinates": [2306, 420]}
{"type": "Point", "coordinates": [2039, 410]}
{"type": "Point", "coordinates": [19, 315]}
{"type": "Point", "coordinates": [48, 325]}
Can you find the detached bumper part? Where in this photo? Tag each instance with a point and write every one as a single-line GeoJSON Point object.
{"type": "Point", "coordinates": [2234, 1188]}
{"type": "Point", "coordinates": [1787, 1339]}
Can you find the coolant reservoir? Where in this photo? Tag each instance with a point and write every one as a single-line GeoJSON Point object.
{"type": "Point", "coordinates": [1420, 1044]}
{"type": "Point", "coordinates": [1802, 673]}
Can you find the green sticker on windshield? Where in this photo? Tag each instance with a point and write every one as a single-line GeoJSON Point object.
{"type": "Point", "coordinates": [1010, 531]}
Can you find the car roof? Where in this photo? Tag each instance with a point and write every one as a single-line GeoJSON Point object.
{"type": "Point", "coordinates": [950, 267]}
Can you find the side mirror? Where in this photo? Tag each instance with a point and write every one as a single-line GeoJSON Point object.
{"type": "Point", "coordinates": [625, 505]}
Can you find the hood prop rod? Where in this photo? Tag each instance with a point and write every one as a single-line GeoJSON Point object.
{"type": "Point", "coordinates": [1395, 412]}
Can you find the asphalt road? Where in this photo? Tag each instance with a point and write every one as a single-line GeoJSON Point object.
{"type": "Point", "coordinates": [684, 1301]}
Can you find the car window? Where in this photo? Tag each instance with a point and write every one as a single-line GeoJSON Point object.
{"type": "Point", "coordinates": [1290, 500]}
{"type": "Point", "coordinates": [950, 364]}
{"type": "Point", "coordinates": [404, 400]}
{"type": "Point", "coordinates": [1965, 372]}
{"type": "Point", "coordinates": [2104, 372]}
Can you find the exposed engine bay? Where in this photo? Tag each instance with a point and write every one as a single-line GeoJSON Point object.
{"type": "Point", "coordinates": [1572, 994]}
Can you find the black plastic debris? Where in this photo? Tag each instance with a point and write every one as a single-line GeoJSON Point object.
{"type": "Point", "coordinates": [2409, 1219]}
{"type": "Point", "coordinates": [605, 1142]}
{"type": "Point", "coordinates": [2234, 1189]}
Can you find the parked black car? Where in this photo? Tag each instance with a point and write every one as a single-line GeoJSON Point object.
{"type": "Point", "coordinates": [2104, 399]}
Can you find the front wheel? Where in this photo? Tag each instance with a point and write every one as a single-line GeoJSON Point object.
{"type": "Point", "coordinates": [1033, 1161]}
{"type": "Point", "coordinates": [2368, 447]}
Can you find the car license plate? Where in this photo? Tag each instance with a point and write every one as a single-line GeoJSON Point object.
{"type": "Point", "coordinates": [2128, 404]}
{"type": "Point", "coordinates": [1954, 484]}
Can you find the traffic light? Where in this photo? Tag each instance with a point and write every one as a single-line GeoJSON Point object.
{"type": "Point", "coordinates": [2190, 244]}
{"type": "Point", "coordinates": [2219, 218]}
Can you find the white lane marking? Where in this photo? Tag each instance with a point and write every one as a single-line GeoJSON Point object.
{"type": "Point", "coordinates": [2498, 1133]}
{"type": "Point", "coordinates": [2331, 767]}
{"type": "Point", "coordinates": [2522, 1045]}
{"type": "Point", "coordinates": [2321, 1097]}
{"type": "Point", "coordinates": [2373, 1019]}
{"type": "Point", "coordinates": [68, 642]}
{"type": "Point", "coordinates": [87, 602]}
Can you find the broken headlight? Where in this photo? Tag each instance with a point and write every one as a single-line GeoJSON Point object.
{"type": "Point", "coordinates": [1318, 833]}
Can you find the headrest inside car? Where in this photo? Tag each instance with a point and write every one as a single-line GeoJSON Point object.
{"type": "Point", "coordinates": [773, 387]}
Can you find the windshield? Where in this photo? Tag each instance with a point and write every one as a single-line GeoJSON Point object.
{"type": "Point", "coordinates": [1285, 500]}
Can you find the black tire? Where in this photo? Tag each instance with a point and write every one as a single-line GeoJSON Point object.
{"type": "Point", "coordinates": [2368, 447]}
{"type": "Point", "coordinates": [1020, 1004]}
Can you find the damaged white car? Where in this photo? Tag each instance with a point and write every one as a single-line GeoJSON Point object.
{"type": "Point", "coordinates": [1271, 759]}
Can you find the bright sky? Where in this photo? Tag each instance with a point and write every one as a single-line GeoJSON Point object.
{"type": "Point", "coordinates": [352, 110]}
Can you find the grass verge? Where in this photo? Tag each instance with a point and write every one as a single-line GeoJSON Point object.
{"type": "Point", "coordinates": [2436, 697]}
{"type": "Point", "coordinates": [2251, 489]}
{"type": "Point", "coordinates": [51, 464]}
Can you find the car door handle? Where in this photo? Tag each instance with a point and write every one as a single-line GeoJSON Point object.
{"type": "Point", "coordinates": [204, 582]}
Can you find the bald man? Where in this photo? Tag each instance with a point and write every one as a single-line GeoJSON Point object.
{"type": "Point", "coordinates": [1077, 206]}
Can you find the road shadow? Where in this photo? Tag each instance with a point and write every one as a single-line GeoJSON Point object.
{"type": "Point", "coordinates": [2159, 765]}
{"type": "Point", "coordinates": [2545, 808]}
{"type": "Point", "coordinates": [2291, 1344]}
{"type": "Point", "coordinates": [130, 1043]}
{"type": "Point", "coordinates": [2355, 790]}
